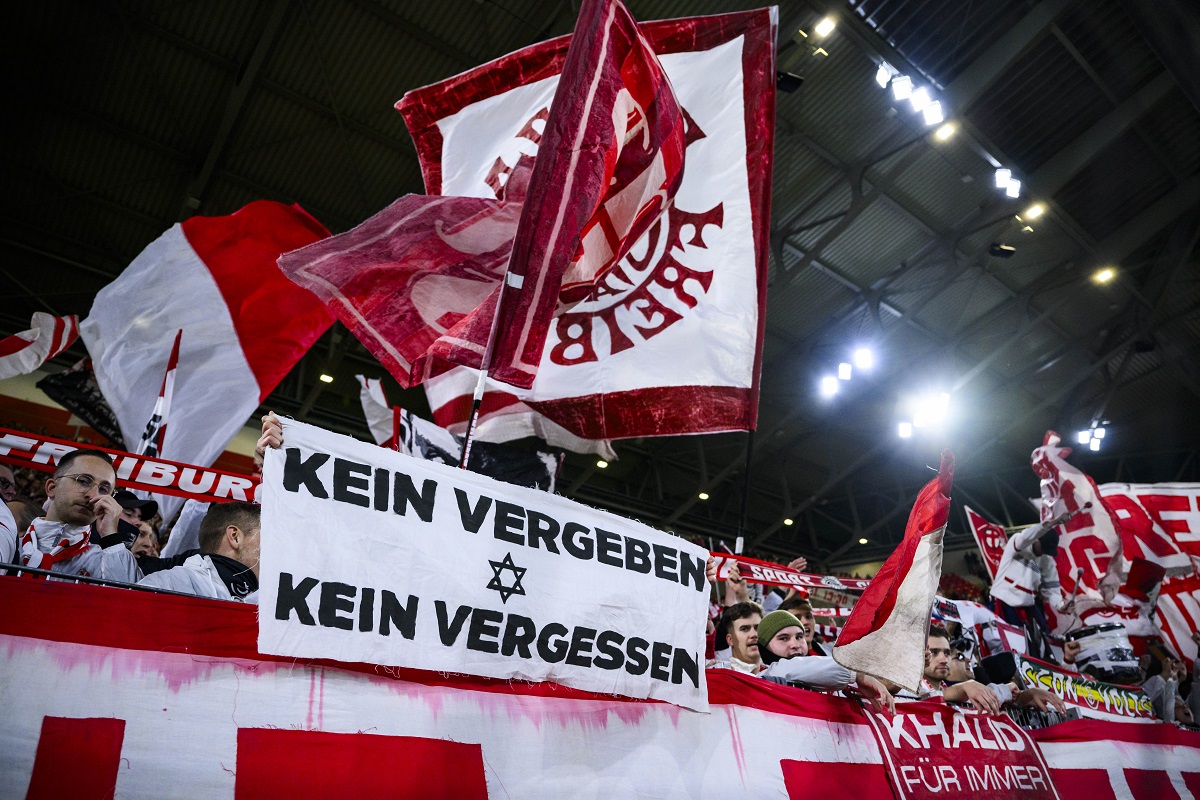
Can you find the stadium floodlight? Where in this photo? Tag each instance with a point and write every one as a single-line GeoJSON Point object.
{"type": "Point", "coordinates": [326, 378]}
{"type": "Point", "coordinates": [933, 113]}
{"type": "Point", "coordinates": [829, 386]}
{"type": "Point", "coordinates": [883, 76]}
{"type": "Point", "coordinates": [902, 87]}
{"type": "Point", "coordinates": [862, 541]}
{"type": "Point", "coordinates": [703, 495]}
{"type": "Point", "coordinates": [1084, 437]}
{"type": "Point", "coordinates": [864, 358]}
{"type": "Point", "coordinates": [844, 371]}
{"type": "Point", "coordinates": [825, 27]}
{"type": "Point", "coordinates": [1035, 210]}
{"type": "Point", "coordinates": [1095, 444]}
{"type": "Point", "coordinates": [906, 430]}
{"type": "Point", "coordinates": [1105, 275]}
{"type": "Point", "coordinates": [945, 132]}
{"type": "Point", "coordinates": [1098, 433]}
{"type": "Point", "coordinates": [1003, 176]}
{"type": "Point", "coordinates": [602, 464]}
{"type": "Point", "coordinates": [1014, 188]}
{"type": "Point", "coordinates": [920, 99]}
{"type": "Point", "coordinates": [789, 521]}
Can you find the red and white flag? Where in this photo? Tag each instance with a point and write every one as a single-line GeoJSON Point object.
{"type": "Point", "coordinates": [156, 429]}
{"type": "Point", "coordinates": [381, 417]}
{"type": "Point", "coordinates": [22, 353]}
{"type": "Point", "coordinates": [244, 325]}
{"type": "Point", "coordinates": [669, 341]}
{"type": "Point", "coordinates": [989, 537]}
{"type": "Point", "coordinates": [885, 635]}
{"type": "Point", "coordinates": [1089, 548]}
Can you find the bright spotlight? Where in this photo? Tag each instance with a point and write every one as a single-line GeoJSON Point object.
{"type": "Point", "coordinates": [789, 521]}
{"type": "Point", "coordinates": [920, 99]}
{"type": "Point", "coordinates": [1003, 176]}
{"type": "Point", "coordinates": [703, 495]}
{"type": "Point", "coordinates": [905, 430]}
{"type": "Point", "coordinates": [844, 371]}
{"type": "Point", "coordinates": [1105, 275]}
{"type": "Point", "coordinates": [864, 358]}
{"type": "Point", "coordinates": [1035, 210]}
{"type": "Point", "coordinates": [825, 26]}
{"type": "Point", "coordinates": [602, 464]}
{"type": "Point", "coordinates": [933, 113]}
{"type": "Point", "coordinates": [1084, 437]}
{"type": "Point", "coordinates": [883, 75]}
{"type": "Point", "coordinates": [901, 87]}
{"type": "Point", "coordinates": [1098, 433]}
{"type": "Point", "coordinates": [945, 132]}
{"type": "Point", "coordinates": [1095, 444]}
{"type": "Point", "coordinates": [829, 386]}
{"type": "Point", "coordinates": [1014, 188]}
{"type": "Point", "coordinates": [862, 541]}
{"type": "Point", "coordinates": [326, 378]}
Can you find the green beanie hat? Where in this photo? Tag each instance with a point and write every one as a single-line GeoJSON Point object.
{"type": "Point", "coordinates": [772, 624]}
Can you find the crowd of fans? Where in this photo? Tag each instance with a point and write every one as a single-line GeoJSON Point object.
{"type": "Point", "coordinates": [78, 523]}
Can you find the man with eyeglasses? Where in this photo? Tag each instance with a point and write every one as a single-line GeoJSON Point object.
{"type": "Point", "coordinates": [80, 495]}
{"type": "Point", "coordinates": [8, 484]}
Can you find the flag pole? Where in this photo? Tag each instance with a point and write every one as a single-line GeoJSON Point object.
{"type": "Point", "coordinates": [741, 529]}
{"type": "Point", "coordinates": [486, 364]}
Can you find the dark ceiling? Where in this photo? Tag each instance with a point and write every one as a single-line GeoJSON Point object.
{"type": "Point", "coordinates": [131, 115]}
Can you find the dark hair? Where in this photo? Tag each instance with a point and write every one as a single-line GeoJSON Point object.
{"type": "Point", "coordinates": [24, 512]}
{"type": "Point", "coordinates": [70, 457]}
{"type": "Point", "coordinates": [937, 630]}
{"type": "Point", "coordinates": [732, 614]}
{"type": "Point", "coordinates": [220, 516]}
{"type": "Point", "coordinates": [796, 603]}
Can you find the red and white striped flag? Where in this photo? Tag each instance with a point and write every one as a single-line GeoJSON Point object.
{"type": "Point", "coordinates": [885, 635]}
{"type": "Point", "coordinates": [381, 417]}
{"type": "Point", "coordinates": [22, 353]}
{"type": "Point", "coordinates": [670, 340]}
{"type": "Point", "coordinates": [244, 326]}
{"type": "Point", "coordinates": [156, 429]}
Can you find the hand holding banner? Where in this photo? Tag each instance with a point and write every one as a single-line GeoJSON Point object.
{"type": "Point", "coordinates": [372, 556]}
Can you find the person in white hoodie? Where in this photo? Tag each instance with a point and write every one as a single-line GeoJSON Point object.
{"type": "Point", "coordinates": [226, 568]}
{"type": "Point", "coordinates": [80, 497]}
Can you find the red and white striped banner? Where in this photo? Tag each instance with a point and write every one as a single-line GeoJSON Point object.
{"type": "Point", "coordinates": [189, 702]}
{"type": "Point", "coordinates": [23, 449]}
{"type": "Point", "coordinates": [22, 353]}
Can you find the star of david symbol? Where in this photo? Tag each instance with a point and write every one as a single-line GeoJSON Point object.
{"type": "Point", "coordinates": [497, 584]}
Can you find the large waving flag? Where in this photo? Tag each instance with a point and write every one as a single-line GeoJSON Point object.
{"type": "Point", "coordinates": [22, 353]}
{"type": "Point", "coordinates": [668, 341]}
{"type": "Point", "coordinates": [885, 635]}
{"type": "Point", "coordinates": [244, 325]}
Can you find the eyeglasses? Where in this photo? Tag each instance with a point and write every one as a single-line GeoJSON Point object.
{"type": "Point", "coordinates": [5, 483]}
{"type": "Point", "coordinates": [86, 482]}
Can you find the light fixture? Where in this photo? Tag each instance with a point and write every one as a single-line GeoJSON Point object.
{"type": "Point", "coordinates": [703, 495]}
{"type": "Point", "coordinates": [1001, 250]}
{"type": "Point", "coordinates": [1014, 188]}
{"type": "Point", "coordinates": [864, 358]}
{"type": "Point", "coordinates": [1105, 275]}
{"type": "Point", "coordinates": [602, 464]}
{"type": "Point", "coordinates": [920, 99]}
{"type": "Point", "coordinates": [945, 132]}
{"type": "Point", "coordinates": [829, 386]}
{"type": "Point", "coordinates": [844, 371]}
{"type": "Point", "coordinates": [1098, 433]}
{"type": "Point", "coordinates": [789, 521]}
{"type": "Point", "coordinates": [906, 430]}
{"type": "Point", "coordinates": [884, 75]}
{"type": "Point", "coordinates": [933, 113]}
{"type": "Point", "coordinates": [1095, 444]}
{"type": "Point", "coordinates": [325, 378]}
{"type": "Point", "coordinates": [862, 541]}
{"type": "Point", "coordinates": [825, 26]}
{"type": "Point", "coordinates": [901, 87]}
{"type": "Point", "coordinates": [1035, 210]}
{"type": "Point", "coordinates": [1084, 437]}
{"type": "Point", "coordinates": [1003, 176]}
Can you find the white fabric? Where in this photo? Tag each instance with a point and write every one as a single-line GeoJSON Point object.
{"type": "Point", "coordinates": [815, 672]}
{"type": "Point", "coordinates": [737, 665]}
{"type": "Point", "coordinates": [185, 533]}
{"type": "Point", "coordinates": [129, 333]}
{"type": "Point", "coordinates": [195, 576]}
{"type": "Point", "coordinates": [430, 556]}
{"type": "Point", "coordinates": [8, 536]}
{"type": "Point", "coordinates": [376, 409]}
{"type": "Point", "coordinates": [114, 563]}
{"type": "Point", "coordinates": [48, 337]}
{"type": "Point", "coordinates": [1019, 576]}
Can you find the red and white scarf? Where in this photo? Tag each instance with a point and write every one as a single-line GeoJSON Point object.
{"type": "Point", "coordinates": [64, 541]}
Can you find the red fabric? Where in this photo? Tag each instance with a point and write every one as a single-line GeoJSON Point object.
{"type": "Point", "coordinates": [304, 765]}
{"type": "Point", "coordinates": [1091, 730]}
{"type": "Point", "coordinates": [1192, 781]}
{"type": "Point", "coordinates": [240, 251]}
{"type": "Point", "coordinates": [1150, 784]}
{"type": "Point", "coordinates": [1083, 784]}
{"type": "Point", "coordinates": [989, 537]}
{"type": "Point", "coordinates": [77, 758]}
{"type": "Point", "coordinates": [13, 344]}
{"type": "Point", "coordinates": [805, 780]}
{"type": "Point", "coordinates": [929, 514]}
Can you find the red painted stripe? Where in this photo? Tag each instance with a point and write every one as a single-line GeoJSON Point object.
{"type": "Point", "coordinates": [1150, 784]}
{"type": "Point", "coordinates": [313, 765]}
{"type": "Point", "coordinates": [805, 780]}
{"type": "Point", "coordinates": [1192, 781]}
{"type": "Point", "coordinates": [276, 320]}
{"type": "Point", "coordinates": [77, 758]}
{"type": "Point", "coordinates": [1091, 730]}
{"type": "Point", "coordinates": [13, 344]}
{"type": "Point", "coordinates": [1082, 784]}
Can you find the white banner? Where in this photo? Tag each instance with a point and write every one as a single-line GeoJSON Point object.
{"type": "Point", "coordinates": [372, 556]}
{"type": "Point", "coordinates": [1160, 522]}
